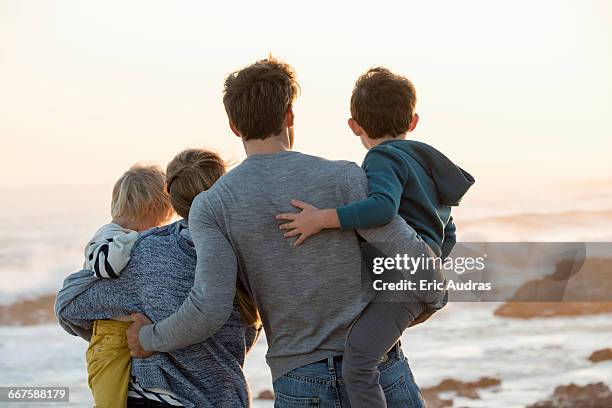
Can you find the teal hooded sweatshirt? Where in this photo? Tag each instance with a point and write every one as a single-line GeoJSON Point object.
{"type": "Point", "coordinates": [417, 182]}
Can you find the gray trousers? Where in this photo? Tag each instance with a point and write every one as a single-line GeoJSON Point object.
{"type": "Point", "coordinates": [375, 332]}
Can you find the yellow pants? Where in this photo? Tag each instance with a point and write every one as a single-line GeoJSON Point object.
{"type": "Point", "coordinates": [109, 364]}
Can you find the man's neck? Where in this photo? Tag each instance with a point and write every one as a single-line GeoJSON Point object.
{"type": "Point", "coordinates": [280, 142]}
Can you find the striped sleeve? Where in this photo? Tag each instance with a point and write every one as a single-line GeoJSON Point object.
{"type": "Point", "coordinates": [99, 262]}
{"type": "Point", "coordinates": [135, 390]}
{"type": "Point", "coordinates": [108, 256]}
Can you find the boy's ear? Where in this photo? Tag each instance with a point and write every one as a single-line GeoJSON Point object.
{"type": "Point", "coordinates": [289, 116]}
{"type": "Point", "coordinates": [357, 130]}
{"type": "Point", "coordinates": [234, 129]}
{"type": "Point", "coordinates": [413, 122]}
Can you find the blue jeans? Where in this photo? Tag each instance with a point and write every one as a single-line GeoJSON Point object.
{"type": "Point", "coordinates": [320, 385]}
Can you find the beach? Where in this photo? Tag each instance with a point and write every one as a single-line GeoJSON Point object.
{"type": "Point", "coordinates": [489, 358]}
{"type": "Point", "coordinates": [517, 94]}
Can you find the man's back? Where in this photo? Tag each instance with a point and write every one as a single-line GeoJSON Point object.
{"type": "Point", "coordinates": [308, 295]}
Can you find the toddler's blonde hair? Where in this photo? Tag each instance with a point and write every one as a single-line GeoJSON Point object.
{"type": "Point", "coordinates": [140, 193]}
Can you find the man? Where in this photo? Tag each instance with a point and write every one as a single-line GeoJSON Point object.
{"type": "Point", "coordinates": [307, 295]}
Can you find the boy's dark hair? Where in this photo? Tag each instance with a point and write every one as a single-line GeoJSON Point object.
{"type": "Point", "coordinates": [257, 97]}
{"type": "Point", "coordinates": [383, 103]}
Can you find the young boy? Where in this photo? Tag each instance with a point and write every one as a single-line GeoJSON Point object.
{"type": "Point", "coordinates": [139, 202]}
{"type": "Point", "coordinates": [405, 177]}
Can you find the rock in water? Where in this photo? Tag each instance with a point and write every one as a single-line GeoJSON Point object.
{"type": "Point", "coordinates": [460, 388]}
{"type": "Point", "coordinates": [530, 310]}
{"type": "Point", "coordinates": [601, 355]}
{"type": "Point", "coordinates": [28, 312]}
{"type": "Point", "coordinates": [433, 401]}
{"type": "Point", "coordinates": [592, 282]}
{"type": "Point", "coordinates": [596, 395]}
{"type": "Point", "coordinates": [265, 395]}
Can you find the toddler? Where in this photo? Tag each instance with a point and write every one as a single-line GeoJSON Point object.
{"type": "Point", "coordinates": [139, 202]}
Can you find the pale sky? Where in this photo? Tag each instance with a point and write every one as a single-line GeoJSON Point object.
{"type": "Point", "coordinates": [508, 89]}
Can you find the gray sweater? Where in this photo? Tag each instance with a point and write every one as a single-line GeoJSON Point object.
{"type": "Point", "coordinates": [309, 295]}
{"type": "Point", "coordinates": [156, 281]}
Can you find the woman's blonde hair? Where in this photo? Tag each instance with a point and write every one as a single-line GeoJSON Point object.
{"type": "Point", "coordinates": [140, 192]}
{"type": "Point", "coordinates": [188, 174]}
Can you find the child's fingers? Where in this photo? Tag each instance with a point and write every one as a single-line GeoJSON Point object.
{"type": "Point", "coordinates": [300, 204]}
{"type": "Point", "coordinates": [287, 226]}
{"type": "Point", "coordinates": [300, 240]}
{"type": "Point", "coordinates": [290, 217]}
{"type": "Point", "coordinates": [292, 233]}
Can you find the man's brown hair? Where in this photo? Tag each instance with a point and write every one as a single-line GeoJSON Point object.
{"type": "Point", "coordinates": [383, 103]}
{"type": "Point", "coordinates": [257, 97]}
{"type": "Point", "coordinates": [188, 174]}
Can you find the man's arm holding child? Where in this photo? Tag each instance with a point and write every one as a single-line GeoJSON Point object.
{"type": "Point", "coordinates": [211, 299]}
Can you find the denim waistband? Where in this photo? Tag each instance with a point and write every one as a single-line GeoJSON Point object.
{"type": "Point", "coordinates": [396, 351]}
{"type": "Point", "coordinates": [328, 372]}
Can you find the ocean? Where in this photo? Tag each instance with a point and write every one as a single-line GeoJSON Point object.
{"type": "Point", "coordinates": [43, 231]}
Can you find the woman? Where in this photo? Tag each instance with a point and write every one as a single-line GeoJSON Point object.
{"type": "Point", "coordinates": [156, 282]}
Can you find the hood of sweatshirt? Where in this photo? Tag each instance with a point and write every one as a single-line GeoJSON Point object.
{"type": "Point", "coordinates": [451, 181]}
